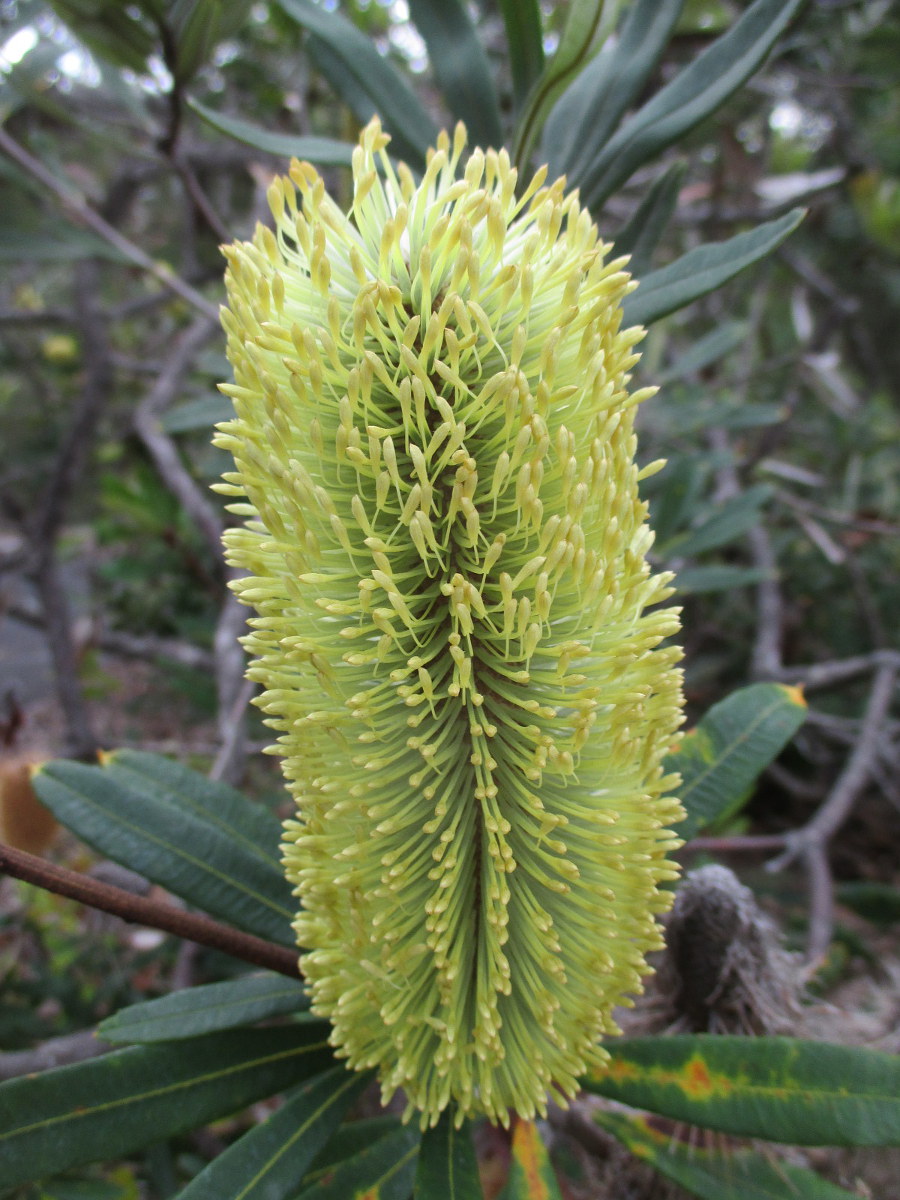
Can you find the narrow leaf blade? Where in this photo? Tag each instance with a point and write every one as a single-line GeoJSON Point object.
{"type": "Point", "coordinates": [110, 1106]}
{"type": "Point", "coordinates": [206, 1009]}
{"type": "Point", "coordinates": [383, 1171]}
{"type": "Point", "coordinates": [587, 24]}
{"type": "Point", "coordinates": [729, 520]}
{"type": "Point", "coordinates": [447, 1167]}
{"type": "Point", "coordinates": [326, 152]}
{"type": "Point", "coordinates": [716, 1174]}
{"type": "Point", "coordinates": [586, 115]}
{"type": "Point", "coordinates": [642, 234]}
{"type": "Point", "coordinates": [525, 43]}
{"type": "Point", "coordinates": [704, 269]}
{"type": "Point", "coordinates": [780, 1089]}
{"type": "Point", "coordinates": [266, 1163]}
{"type": "Point", "coordinates": [460, 66]}
{"type": "Point", "coordinates": [531, 1174]}
{"type": "Point", "coordinates": [720, 759]}
{"type": "Point", "coordinates": [389, 93]}
{"type": "Point", "coordinates": [693, 95]}
{"type": "Point", "coordinates": [198, 839]}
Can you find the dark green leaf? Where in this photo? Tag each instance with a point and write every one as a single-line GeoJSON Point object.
{"type": "Point", "coordinates": [531, 1174]}
{"type": "Point", "coordinates": [388, 92]}
{"type": "Point", "coordinates": [780, 1089]}
{"type": "Point", "coordinates": [525, 44]}
{"type": "Point", "coordinates": [351, 1139]}
{"type": "Point", "coordinates": [716, 1174]}
{"type": "Point", "coordinates": [586, 115]}
{"type": "Point", "coordinates": [202, 413]}
{"type": "Point", "coordinates": [113, 1105]}
{"type": "Point", "coordinates": [693, 580]}
{"type": "Point", "coordinates": [587, 24]}
{"type": "Point", "coordinates": [729, 520]}
{"type": "Point", "coordinates": [111, 31]}
{"type": "Point", "coordinates": [693, 95]}
{"type": "Point", "coordinates": [205, 1009]}
{"type": "Point", "coordinates": [383, 1171]}
{"type": "Point", "coordinates": [642, 234]}
{"type": "Point", "coordinates": [877, 902]}
{"type": "Point", "coordinates": [199, 26]}
{"type": "Point", "coordinates": [266, 1163]}
{"type": "Point", "coordinates": [703, 269]}
{"type": "Point", "coordinates": [327, 152]}
{"type": "Point", "coordinates": [460, 67]}
{"type": "Point", "coordinates": [53, 243]}
{"type": "Point", "coordinates": [705, 351]}
{"type": "Point", "coordinates": [448, 1169]}
{"type": "Point", "coordinates": [201, 840]}
{"type": "Point", "coordinates": [721, 758]}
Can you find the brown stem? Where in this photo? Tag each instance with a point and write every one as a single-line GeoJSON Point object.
{"type": "Point", "coordinates": [143, 911]}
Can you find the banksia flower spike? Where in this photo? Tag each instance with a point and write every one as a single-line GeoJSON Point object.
{"type": "Point", "coordinates": [446, 549]}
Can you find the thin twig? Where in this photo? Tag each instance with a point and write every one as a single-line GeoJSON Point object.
{"type": "Point", "coordinates": [855, 775]}
{"type": "Point", "coordinates": [55, 1052]}
{"type": "Point", "coordinates": [153, 913]}
{"type": "Point", "coordinates": [162, 448]}
{"type": "Point", "coordinates": [233, 693]}
{"type": "Point", "coordinates": [766, 657]}
{"type": "Point", "coordinates": [79, 211]}
{"type": "Point", "coordinates": [810, 842]}
{"type": "Point", "coordinates": [821, 901]}
{"type": "Point", "coordinates": [45, 529]}
{"type": "Point", "coordinates": [145, 647]}
{"type": "Point", "coordinates": [736, 844]}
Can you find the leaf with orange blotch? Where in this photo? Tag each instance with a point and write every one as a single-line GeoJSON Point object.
{"type": "Point", "coordinates": [531, 1174]}
{"type": "Point", "coordinates": [781, 1089]}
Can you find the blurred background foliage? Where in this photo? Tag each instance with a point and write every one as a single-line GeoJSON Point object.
{"type": "Point", "coordinates": [139, 137]}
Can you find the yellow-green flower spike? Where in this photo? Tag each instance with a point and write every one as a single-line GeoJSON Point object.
{"type": "Point", "coordinates": [456, 634]}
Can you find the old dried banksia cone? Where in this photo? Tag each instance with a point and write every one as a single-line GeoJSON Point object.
{"type": "Point", "coordinates": [446, 549]}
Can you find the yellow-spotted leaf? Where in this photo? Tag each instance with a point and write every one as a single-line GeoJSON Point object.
{"type": "Point", "coordinates": [780, 1089]}
{"type": "Point", "coordinates": [531, 1174]}
{"type": "Point", "coordinates": [716, 1174]}
{"type": "Point", "coordinates": [721, 758]}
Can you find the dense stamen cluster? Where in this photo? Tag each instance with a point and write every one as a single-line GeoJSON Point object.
{"type": "Point", "coordinates": [446, 548]}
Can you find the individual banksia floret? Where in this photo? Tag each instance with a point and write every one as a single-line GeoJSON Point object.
{"type": "Point", "coordinates": [456, 631]}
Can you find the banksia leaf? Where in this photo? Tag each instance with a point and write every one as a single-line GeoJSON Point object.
{"type": "Point", "coordinates": [456, 634]}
